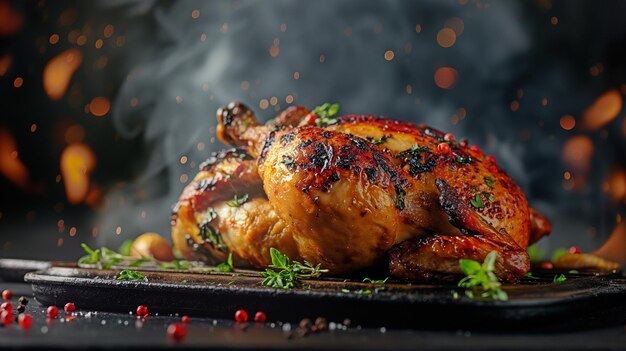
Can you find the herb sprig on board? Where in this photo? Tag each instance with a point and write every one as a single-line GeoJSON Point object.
{"type": "Point", "coordinates": [105, 258]}
{"type": "Point", "coordinates": [481, 278]}
{"type": "Point", "coordinates": [286, 274]}
{"type": "Point", "coordinates": [130, 275]}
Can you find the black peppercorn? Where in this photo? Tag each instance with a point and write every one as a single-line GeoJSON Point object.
{"type": "Point", "coordinates": [23, 301]}
{"type": "Point", "coordinates": [21, 308]}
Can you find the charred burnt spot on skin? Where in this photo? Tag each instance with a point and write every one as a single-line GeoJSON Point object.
{"type": "Point", "coordinates": [361, 144]}
{"type": "Point", "coordinates": [234, 110]}
{"type": "Point", "coordinates": [206, 184]}
{"type": "Point", "coordinates": [326, 134]}
{"type": "Point", "coordinates": [287, 138]}
{"type": "Point", "coordinates": [321, 156]}
{"type": "Point", "coordinates": [267, 144]}
{"type": "Point", "coordinates": [371, 174]}
{"type": "Point", "coordinates": [218, 156]}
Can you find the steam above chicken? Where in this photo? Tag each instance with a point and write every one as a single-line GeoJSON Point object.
{"type": "Point", "coordinates": [351, 192]}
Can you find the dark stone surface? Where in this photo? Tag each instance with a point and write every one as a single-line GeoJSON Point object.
{"type": "Point", "coordinates": [121, 330]}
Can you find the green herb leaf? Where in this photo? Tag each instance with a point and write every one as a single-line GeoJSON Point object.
{"type": "Point", "coordinates": [325, 113]}
{"type": "Point", "coordinates": [462, 160]}
{"type": "Point", "coordinates": [490, 182]}
{"type": "Point", "coordinates": [212, 236]}
{"type": "Point", "coordinates": [236, 202]}
{"type": "Point", "coordinates": [285, 274]}
{"type": "Point", "coordinates": [370, 280]}
{"type": "Point", "coordinates": [558, 279]}
{"type": "Point", "coordinates": [477, 202]}
{"type": "Point", "coordinates": [379, 141]}
{"type": "Point", "coordinates": [535, 254]}
{"type": "Point", "coordinates": [415, 150]}
{"type": "Point", "coordinates": [130, 275]}
{"type": "Point", "coordinates": [481, 278]}
{"type": "Point", "coordinates": [179, 265]}
{"type": "Point", "coordinates": [227, 266]}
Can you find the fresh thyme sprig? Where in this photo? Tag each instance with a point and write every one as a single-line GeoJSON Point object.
{"type": "Point", "coordinates": [105, 258]}
{"type": "Point", "coordinates": [481, 278]}
{"type": "Point", "coordinates": [286, 274]}
{"type": "Point", "coordinates": [130, 275]}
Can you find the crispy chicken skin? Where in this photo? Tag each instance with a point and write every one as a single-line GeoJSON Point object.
{"type": "Point", "coordinates": [352, 194]}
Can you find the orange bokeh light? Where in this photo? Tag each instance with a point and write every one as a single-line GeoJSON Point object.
{"type": "Point", "coordinates": [616, 184]}
{"type": "Point", "coordinates": [567, 122]}
{"type": "Point", "coordinates": [99, 106]}
{"type": "Point", "coordinates": [446, 37]}
{"type": "Point", "coordinates": [446, 77]}
{"type": "Point", "coordinates": [59, 71]}
{"type": "Point", "coordinates": [603, 110]}
{"type": "Point", "coordinates": [77, 162]}
{"type": "Point", "coordinates": [10, 164]}
{"type": "Point", "coordinates": [577, 152]}
{"type": "Point", "coordinates": [10, 20]}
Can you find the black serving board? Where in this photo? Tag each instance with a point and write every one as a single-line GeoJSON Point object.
{"type": "Point", "coordinates": [535, 304]}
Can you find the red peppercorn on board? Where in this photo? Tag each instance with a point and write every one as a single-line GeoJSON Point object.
{"type": "Point", "coordinates": [535, 303]}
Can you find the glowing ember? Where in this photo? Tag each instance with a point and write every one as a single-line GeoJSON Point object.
{"type": "Point", "coordinates": [77, 162]}
{"type": "Point", "coordinates": [446, 37]}
{"type": "Point", "coordinates": [10, 164]}
{"type": "Point", "coordinates": [99, 106]}
{"type": "Point", "coordinates": [577, 152]}
{"type": "Point", "coordinates": [389, 55]}
{"type": "Point", "coordinates": [616, 185]}
{"type": "Point", "coordinates": [446, 77]}
{"type": "Point", "coordinates": [58, 72]}
{"type": "Point", "coordinates": [606, 107]}
{"type": "Point", "coordinates": [568, 122]}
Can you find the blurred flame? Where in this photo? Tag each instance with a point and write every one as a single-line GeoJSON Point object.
{"type": "Point", "coordinates": [616, 184]}
{"type": "Point", "coordinates": [614, 248]}
{"type": "Point", "coordinates": [446, 77]}
{"type": "Point", "coordinates": [10, 164]}
{"type": "Point", "coordinates": [77, 162]}
{"type": "Point", "coordinates": [603, 110]}
{"type": "Point", "coordinates": [10, 20]}
{"type": "Point", "coordinates": [58, 72]}
{"type": "Point", "coordinates": [5, 63]}
{"type": "Point", "coordinates": [577, 152]}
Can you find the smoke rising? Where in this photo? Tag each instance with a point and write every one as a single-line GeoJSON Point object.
{"type": "Point", "coordinates": [181, 69]}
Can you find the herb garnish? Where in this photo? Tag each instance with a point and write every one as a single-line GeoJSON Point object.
{"type": "Point", "coordinates": [477, 202]}
{"type": "Point", "coordinates": [289, 162]}
{"type": "Point", "coordinates": [558, 253]}
{"type": "Point", "coordinates": [378, 141]}
{"type": "Point", "coordinates": [415, 150]}
{"type": "Point", "coordinates": [558, 279]}
{"type": "Point", "coordinates": [212, 236]}
{"type": "Point", "coordinates": [180, 265]}
{"type": "Point", "coordinates": [286, 274]}
{"type": "Point", "coordinates": [489, 196]}
{"type": "Point", "coordinates": [490, 182]}
{"type": "Point", "coordinates": [399, 200]}
{"type": "Point", "coordinates": [227, 266]}
{"type": "Point", "coordinates": [481, 278]}
{"type": "Point", "coordinates": [372, 281]}
{"type": "Point", "coordinates": [325, 113]}
{"type": "Point", "coordinates": [462, 160]}
{"type": "Point", "coordinates": [238, 201]}
{"type": "Point", "coordinates": [130, 275]}
{"type": "Point", "coordinates": [105, 258]}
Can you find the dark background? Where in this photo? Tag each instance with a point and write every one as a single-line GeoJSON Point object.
{"type": "Point", "coordinates": [158, 70]}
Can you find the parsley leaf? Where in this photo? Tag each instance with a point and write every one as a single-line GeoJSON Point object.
{"type": "Point", "coordinates": [238, 201]}
{"type": "Point", "coordinates": [325, 113]}
{"type": "Point", "coordinates": [481, 278]}
{"type": "Point", "coordinates": [558, 279]}
{"type": "Point", "coordinates": [490, 182]}
{"type": "Point", "coordinates": [130, 275]}
{"type": "Point", "coordinates": [212, 236]}
{"type": "Point", "coordinates": [226, 266]}
{"type": "Point", "coordinates": [477, 202]}
{"type": "Point", "coordinates": [286, 274]}
{"type": "Point", "coordinates": [370, 280]}
{"type": "Point", "coordinates": [378, 141]}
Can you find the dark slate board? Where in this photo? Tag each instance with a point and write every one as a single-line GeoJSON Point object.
{"type": "Point", "coordinates": [535, 304]}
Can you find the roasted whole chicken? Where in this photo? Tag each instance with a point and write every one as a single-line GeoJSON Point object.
{"type": "Point", "coordinates": [352, 192]}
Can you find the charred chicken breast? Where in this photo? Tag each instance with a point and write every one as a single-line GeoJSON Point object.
{"type": "Point", "coordinates": [349, 192]}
